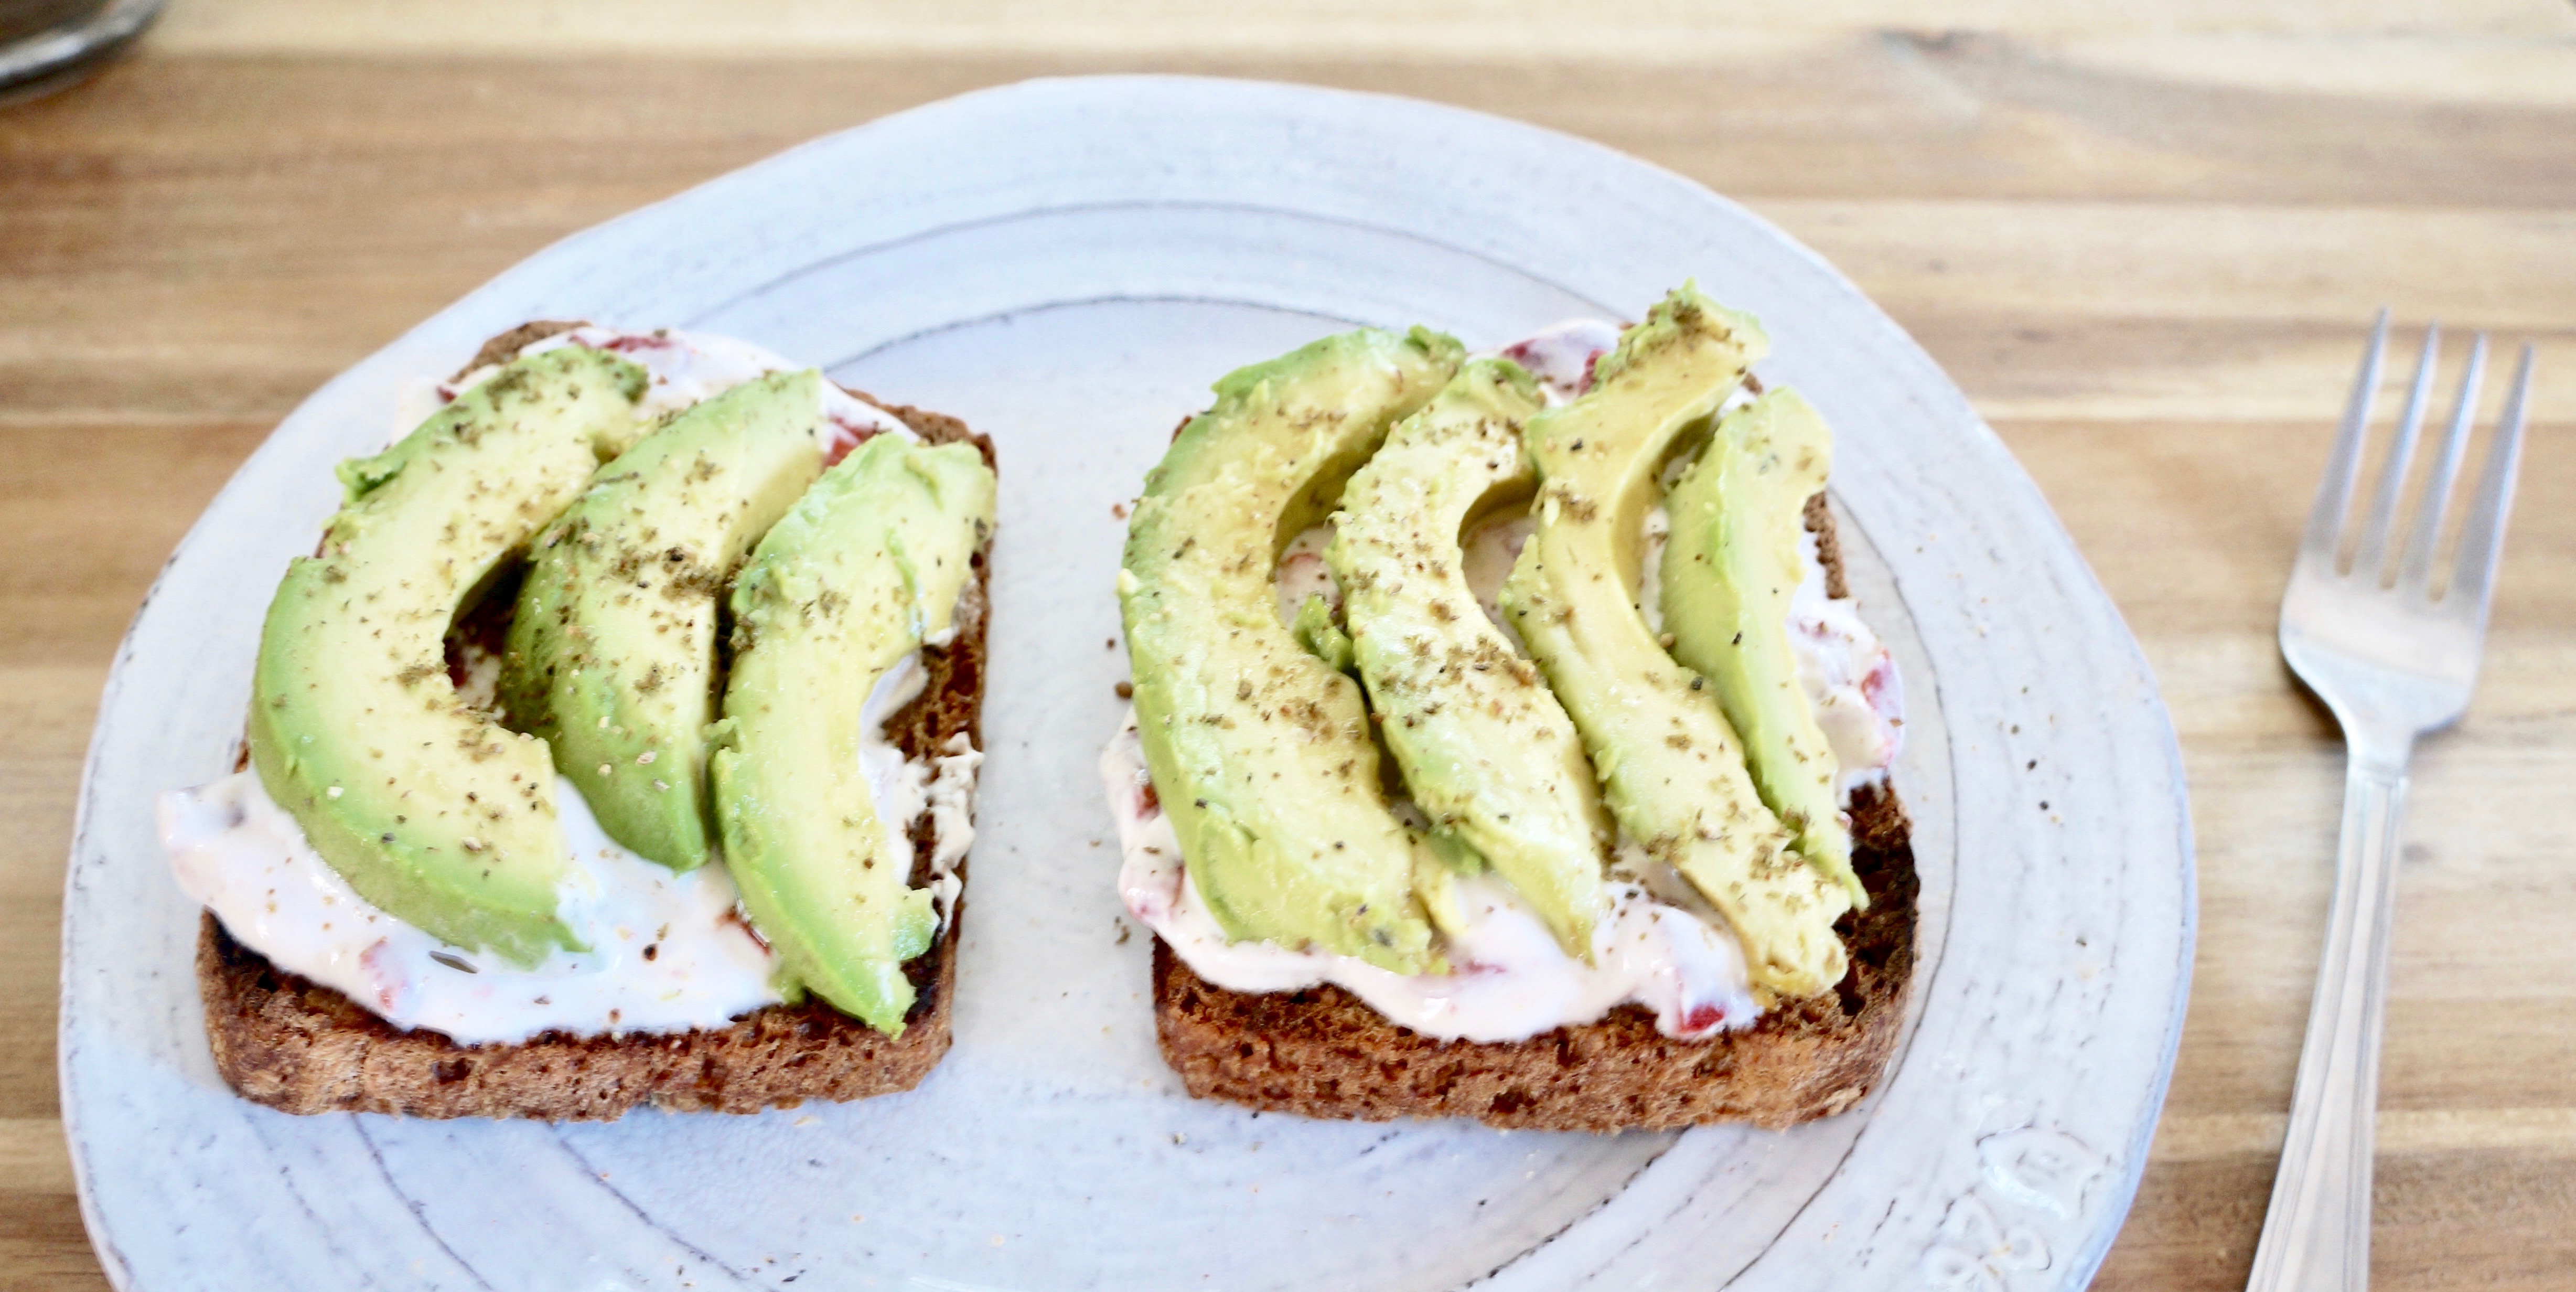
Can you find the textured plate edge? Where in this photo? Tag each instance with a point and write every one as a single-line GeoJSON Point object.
{"type": "Point", "coordinates": [2113, 1215]}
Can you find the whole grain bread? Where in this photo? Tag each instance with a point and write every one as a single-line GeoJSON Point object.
{"type": "Point", "coordinates": [295, 1045]}
{"type": "Point", "coordinates": [1321, 1052]}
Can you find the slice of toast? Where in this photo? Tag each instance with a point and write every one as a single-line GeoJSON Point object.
{"type": "Point", "coordinates": [1321, 1052]}
{"type": "Point", "coordinates": [295, 1045]}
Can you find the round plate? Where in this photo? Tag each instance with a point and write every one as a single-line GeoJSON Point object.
{"type": "Point", "coordinates": [1067, 265]}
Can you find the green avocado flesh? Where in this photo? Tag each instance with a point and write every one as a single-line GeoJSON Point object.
{"type": "Point", "coordinates": [859, 573]}
{"type": "Point", "coordinates": [1315, 630]}
{"type": "Point", "coordinates": [1728, 572]}
{"type": "Point", "coordinates": [612, 654]}
{"type": "Point", "coordinates": [1259, 751]}
{"type": "Point", "coordinates": [1487, 752]}
{"type": "Point", "coordinates": [430, 809]}
{"type": "Point", "coordinates": [1670, 764]}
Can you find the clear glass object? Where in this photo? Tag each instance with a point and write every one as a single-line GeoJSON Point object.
{"type": "Point", "coordinates": [45, 44]}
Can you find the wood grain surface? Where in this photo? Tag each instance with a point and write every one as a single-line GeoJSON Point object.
{"type": "Point", "coordinates": [2145, 238]}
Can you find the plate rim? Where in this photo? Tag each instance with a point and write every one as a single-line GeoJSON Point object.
{"type": "Point", "coordinates": [2086, 1262]}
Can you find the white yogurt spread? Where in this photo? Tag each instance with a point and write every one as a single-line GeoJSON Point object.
{"type": "Point", "coordinates": [1302, 573]}
{"type": "Point", "coordinates": [1561, 356]}
{"type": "Point", "coordinates": [1486, 554]}
{"type": "Point", "coordinates": [1508, 979]}
{"type": "Point", "coordinates": [685, 368]}
{"type": "Point", "coordinates": [905, 789]}
{"type": "Point", "coordinates": [1848, 675]}
{"type": "Point", "coordinates": [1655, 531]}
{"type": "Point", "coordinates": [667, 951]}
{"type": "Point", "coordinates": [952, 819]}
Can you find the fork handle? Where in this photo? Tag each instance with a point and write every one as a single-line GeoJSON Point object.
{"type": "Point", "coordinates": [2316, 1234]}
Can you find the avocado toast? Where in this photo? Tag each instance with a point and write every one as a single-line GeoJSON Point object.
{"type": "Point", "coordinates": [1567, 627]}
{"type": "Point", "coordinates": [554, 907]}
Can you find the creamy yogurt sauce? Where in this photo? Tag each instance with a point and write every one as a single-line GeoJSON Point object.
{"type": "Point", "coordinates": [905, 789]}
{"type": "Point", "coordinates": [952, 819]}
{"type": "Point", "coordinates": [1653, 532]}
{"type": "Point", "coordinates": [1302, 573]}
{"type": "Point", "coordinates": [1849, 677]}
{"type": "Point", "coordinates": [1561, 356]}
{"type": "Point", "coordinates": [686, 367]}
{"type": "Point", "coordinates": [667, 951]}
{"type": "Point", "coordinates": [1509, 980]}
{"type": "Point", "coordinates": [1487, 553]}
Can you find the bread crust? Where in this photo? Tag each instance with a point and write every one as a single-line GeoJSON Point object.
{"type": "Point", "coordinates": [1321, 1052]}
{"type": "Point", "coordinates": [285, 1041]}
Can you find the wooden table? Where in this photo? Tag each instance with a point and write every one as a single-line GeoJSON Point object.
{"type": "Point", "coordinates": [2146, 238]}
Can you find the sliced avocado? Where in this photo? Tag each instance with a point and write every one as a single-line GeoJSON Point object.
{"type": "Point", "coordinates": [612, 656]}
{"type": "Point", "coordinates": [1671, 767]}
{"type": "Point", "coordinates": [429, 808]}
{"type": "Point", "coordinates": [1322, 638]}
{"type": "Point", "coordinates": [859, 573]}
{"type": "Point", "coordinates": [1728, 572]}
{"type": "Point", "coordinates": [1487, 752]}
{"type": "Point", "coordinates": [1259, 751]}
{"type": "Point", "coordinates": [1435, 885]}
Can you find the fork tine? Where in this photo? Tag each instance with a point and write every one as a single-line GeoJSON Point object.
{"type": "Point", "coordinates": [2334, 492]}
{"type": "Point", "coordinates": [2434, 504]}
{"type": "Point", "coordinates": [2369, 558]}
{"type": "Point", "coordinates": [2482, 535]}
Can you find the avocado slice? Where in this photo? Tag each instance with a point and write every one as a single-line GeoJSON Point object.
{"type": "Point", "coordinates": [1486, 750]}
{"type": "Point", "coordinates": [430, 809]}
{"type": "Point", "coordinates": [1671, 767]}
{"type": "Point", "coordinates": [612, 656]}
{"type": "Point", "coordinates": [863, 570]}
{"type": "Point", "coordinates": [1260, 751]}
{"type": "Point", "coordinates": [1728, 572]}
{"type": "Point", "coordinates": [1315, 630]}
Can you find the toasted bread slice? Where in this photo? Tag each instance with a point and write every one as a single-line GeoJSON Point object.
{"type": "Point", "coordinates": [1323, 1053]}
{"type": "Point", "coordinates": [295, 1045]}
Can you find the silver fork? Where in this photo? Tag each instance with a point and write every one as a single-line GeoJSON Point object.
{"type": "Point", "coordinates": [2394, 657]}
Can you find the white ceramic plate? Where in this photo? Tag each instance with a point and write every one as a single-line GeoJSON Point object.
{"type": "Point", "coordinates": [1067, 264]}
